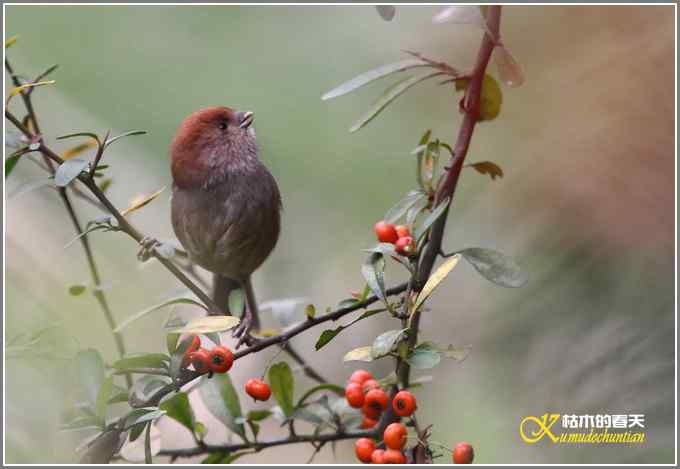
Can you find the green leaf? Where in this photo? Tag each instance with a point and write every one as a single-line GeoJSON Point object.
{"type": "Point", "coordinates": [282, 384]}
{"type": "Point", "coordinates": [310, 311]}
{"type": "Point", "coordinates": [435, 279]}
{"type": "Point", "coordinates": [437, 212]}
{"type": "Point", "coordinates": [147, 446]}
{"type": "Point", "coordinates": [10, 163]}
{"type": "Point", "coordinates": [224, 457]}
{"type": "Point", "coordinates": [10, 41]}
{"type": "Point", "coordinates": [103, 397]}
{"type": "Point", "coordinates": [490, 100]}
{"type": "Point", "coordinates": [123, 135]}
{"type": "Point", "coordinates": [339, 390]}
{"type": "Point", "coordinates": [164, 304]}
{"type": "Point", "coordinates": [384, 343]}
{"type": "Point", "coordinates": [82, 423]}
{"type": "Point", "coordinates": [178, 408]}
{"type": "Point", "coordinates": [362, 354]}
{"type": "Point", "coordinates": [90, 368]}
{"type": "Point", "coordinates": [221, 399]}
{"type": "Point", "coordinates": [373, 75]}
{"type": "Point", "coordinates": [79, 134]}
{"type": "Point", "coordinates": [101, 449]}
{"type": "Point", "coordinates": [373, 272]}
{"type": "Point", "coordinates": [423, 358]}
{"type": "Point", "coordinates": [401, 207]}
{"type": "Point", "coordinates": [496, 267]}
{"type": "Point", "coordinates": [329, 334]}
{"type": "Point", "coordinates": [69, 170]}
{"type": "Point", "coordinates": [258, 415]}
{"type": "Point", "coordinates": [142, 360]}
{"type": "Point", "coordinates": [388, 97]}
{"type": "Point", "coordinates": [142, 415]}
{"type": "Point", "coordinates": [208, 324]}
{"type": "Point", "coordinates": [144, 387]}
{"type": "Point", "coordinates": [75, 290]}
{"type": "Point", "coordinates": [171, 341]}
{"type": "Point", "coordinates": [236, 302]}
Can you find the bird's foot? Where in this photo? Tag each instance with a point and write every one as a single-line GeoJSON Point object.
{"type": "Point", "coordinates": [242, 331]}
{"type": "Point", "coordinates": [147, 247]}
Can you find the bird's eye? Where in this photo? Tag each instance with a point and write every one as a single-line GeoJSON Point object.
{"type": "Point", "coordinates": [223, 125]}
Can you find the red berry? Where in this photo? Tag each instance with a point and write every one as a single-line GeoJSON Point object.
{"type": "Point", "coordinates": [404, 403]}
{"type": "Point", "coordinates": [463, 453]}
{"type": "Point", "coordinates": [360, 376]}
{"type": "Point", "coordinates": [405, 246]}
{"type": "Point", "coordinates": [364, 449]}
{"type": "Point", "coordinates": [386, 232]}
{"type": "Point", "coordinates": [378, 456]}
{"type": "Point", "coordinates": [258, 389]}
{"type": "Point", "coordinates": [354, 395]}
{"type": "Point", "coordinates": [370, 411]}
{"type": "Point", "coordinates": [403, 231]}
{"type": "Point", "coordinates": [394, 456]}
{"type": "Point", "coordinates": [194, 344]}
{"type": "Point", "coordinates": [368, 423]}
{"type": "Point", "coordinates": [201, 360]}
{"type": "Point", "coordinates": [376, 399]}
{"type": "Point", "coordinates": [395, 436]}
{"type": "Point", "coordinates": [221, 359]}
{"type": "Point", "coordinates": [370, 384]}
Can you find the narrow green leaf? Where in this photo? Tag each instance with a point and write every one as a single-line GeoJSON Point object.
{"type": "Point", "coordinates": [76, 290]}
{"type": "Point", "coordinates": [338, 390]}
{"type": "Point", "coordinates": [282, 384]}
{"type": "Point", "coordinates": [401, 207]}
{"type": "Point", "coordinates": [142, 415]}
{"type": "Point", "coordinates": [91, 373]}
{"type": "Point", "coordinates": [82, 423]}
{"type": "Point", "coordinates": [208, 324]}
{"type": "Point", "coordinates": [69, 170]}
{"type": "Point", "coordinates": [373, 75]}
{"type": "Point", "coordinates": [496, 267]}
{"type": "Point", "coordinates": [123, 135]}
{"type": "Point", "coordinates": [438, 211]}
{"type": "Point", "coordinates": [221, 399]}
{"type": "Point", "coordinates": [388, 97]}
{"type": "Point", "coordinates": [178, 408]}
{"type": "Point", "coordinates": [147, 446]}
{"type": "Point", "coordinates": [142, 360]}
{"type": "Point", "coordinates": [144, 312]}
{"type": "Point", "coordinates": [329, 334]}
{"type": "Point", "coordinates": [258, 415]}
{"type": "Point", "coordinates": [79, 134]}
{"type": "Point", "coordinates": [103, 397]}
{"type": "Point", "coordinates": [373, 272]}
{"type": "Point", "coordinates": [10, 163]}
{"type": "Point", "coordinates": [385, 342]}
{"type": "Point", "coordinates": [171, 341]}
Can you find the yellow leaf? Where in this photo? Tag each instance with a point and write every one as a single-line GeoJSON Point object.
{"type": "Point", "coordinates": [10, 41]}
{"type": "Point", "coordinates": [491, 99]}
{"type": "Point", "coordinates": [266, 333]}
{"type": "Point", "coordinates": [487, 167]}
{"type": "Point", "coordinates": [78, 149]}
{"type": "Point", "coordinates": [20, 89]}
{"type": "Point", "coordinates": [435, 279]}
{"type": "Point", "coordinates": [362, 354]}
{"type": "Point", "coordinates": [209, 324]}
{"type": "Point", "coordinates": [140, 201]}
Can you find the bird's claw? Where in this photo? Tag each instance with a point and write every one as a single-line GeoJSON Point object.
{"type": "Point", "coordinates": [242, 331]}
{"type": "Point", "coordinates": [147, 246]}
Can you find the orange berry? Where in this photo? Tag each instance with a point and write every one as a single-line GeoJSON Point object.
{"type": "Point", "coordinates": [201, 360]}
{"type": "Point", "coordinates": [463, 453]}
{"type": "Point", "coordinates": [405, 246]}
{"type": "Point", "coordinates": [360, 376]}
{"type": "Point", "coordinates": [404, 403]}
{"type": "Point", "coordinates": [376, 399]}
{"type": "Point", "coordinates": [386, 232]}
{"type": "Point", "coordinates": [378, 456]}
{"type": "Point", "coordinates": [363, 448]}
{"type": "Point", "coordinates": [258, 389]}
{"type": "Point", "coordinates": [194, 345]}
{"type": "Point", "coordinates": [370, 384]}
{"type": "Point", "coordinates": [395, 436]}
{"type": "Point", "coordinates": [370, 411]}
{"type": "Point", "coordinates": [221, 359]}
{"type": "Point", "coordinates": [368, 423]}
{"type": "Point", "coordinates": [394, 456]}
{"type": "Point", "coordinates": [403, 231]}
{"type": "Point", "coordinates": [354, 395]}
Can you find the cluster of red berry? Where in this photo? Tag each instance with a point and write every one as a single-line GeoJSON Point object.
{"type": "Point", "coordinates": [219, 360]}
{"type": "Point", "coordinates": [399, 235]}
{"type": "Point", "coordinates": [364, 392]}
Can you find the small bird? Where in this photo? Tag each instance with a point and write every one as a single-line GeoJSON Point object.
{"type": "Point", "coordinates": [225, 203]}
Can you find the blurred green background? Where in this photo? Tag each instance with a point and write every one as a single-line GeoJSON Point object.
{"type": "Point", "coordinates": [586, 206]}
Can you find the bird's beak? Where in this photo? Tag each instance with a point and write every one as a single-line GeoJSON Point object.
{"type": "Point", "coordinates": [245, 119]}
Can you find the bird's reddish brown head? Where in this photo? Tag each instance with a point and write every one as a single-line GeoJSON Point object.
{"type": "Point", "coordinates": [207, 142]}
